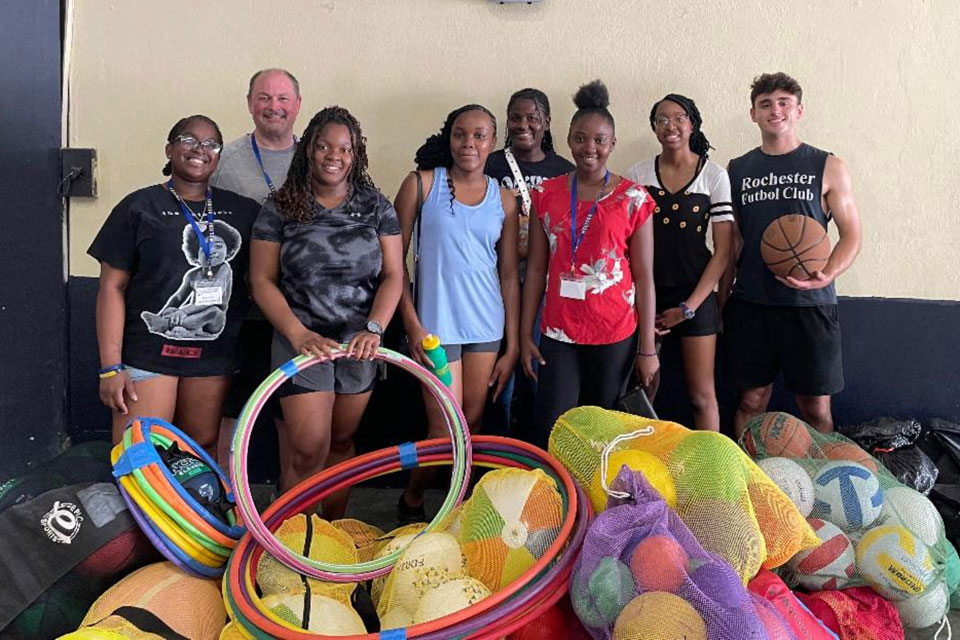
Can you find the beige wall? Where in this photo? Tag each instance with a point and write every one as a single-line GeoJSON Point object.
{"type": "Point", "coordinates": [879, 78]}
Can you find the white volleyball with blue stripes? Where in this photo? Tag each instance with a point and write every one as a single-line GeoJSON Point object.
{"type": "Point", "coordinates": [846, 494]}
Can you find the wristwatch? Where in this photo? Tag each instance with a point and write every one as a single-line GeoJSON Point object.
{"type": "Point", "coordinates": [688, 313]}
{"type": "Point", "coordinates": [374, 327]}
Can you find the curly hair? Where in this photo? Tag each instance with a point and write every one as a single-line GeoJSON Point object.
{"type": "Point", "coordinates": [543, 106]}
{"type": "Point", "coordinates": [770, 82]}
{"type": "Point", "coordinates": [181, 126]}
{"type": "Point", "coordinates": [698, 141]}
{"type": "Point", "coordinates": [295, 200]}
{"type": "Point", "coordinates": [191, 244]}
{"type": "Point", "coordinates": [592, 97]}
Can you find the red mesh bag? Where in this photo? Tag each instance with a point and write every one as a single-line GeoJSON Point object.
{"type": "Point", "coordinates": [855, 613]}
{"type": "Point", "coordinates": [804, 624]}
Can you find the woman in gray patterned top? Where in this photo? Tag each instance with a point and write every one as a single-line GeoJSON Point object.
{"type": "Point", "coordinates": [326, 269]}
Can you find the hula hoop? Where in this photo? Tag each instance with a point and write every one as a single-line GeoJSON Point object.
{"type": "Point", "coordinates": [167, 433]}
{"type": "Point", "coordinates": [456, 425]}
{"type": "Point", "coordinates": [512, 605]}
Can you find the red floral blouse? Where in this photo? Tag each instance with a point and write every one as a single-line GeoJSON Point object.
{"type": "Point", "coordinates": [608, 313]}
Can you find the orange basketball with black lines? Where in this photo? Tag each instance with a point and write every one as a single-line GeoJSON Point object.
{"type": "Point", "coordinates": [795, 245]}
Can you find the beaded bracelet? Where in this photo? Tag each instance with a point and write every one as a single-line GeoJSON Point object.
{"type": "Point", "coordinates": [109, 372]}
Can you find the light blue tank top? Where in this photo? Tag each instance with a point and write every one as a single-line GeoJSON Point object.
{"type": "Point", "coordinates": [459, 296]}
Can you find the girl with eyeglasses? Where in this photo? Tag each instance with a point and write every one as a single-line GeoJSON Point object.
{"type": "Point", "coordinates": [693, 196]}
{"type": "Point", "coordinates": [593, 255]}
{"type": "Point", "coordinates": [172, 293]}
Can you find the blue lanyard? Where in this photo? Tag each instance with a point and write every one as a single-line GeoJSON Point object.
{"type": "Point", "coordinates": [205, 241]}
{"type": "Point", "coordinates": [256, 153]}
{"type": "Point", "coordinates": [575, 239]}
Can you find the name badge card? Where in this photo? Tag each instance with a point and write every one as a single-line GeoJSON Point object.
{"type": "Point", "coordinates": [573, 287]}
{"type": "Point", "coordinates": [206, 296]}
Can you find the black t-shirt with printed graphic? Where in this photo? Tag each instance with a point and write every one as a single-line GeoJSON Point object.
{"type": "Point", "coordinates": [330, 266]}
{"type": "Point", "coordinates": [533, 172]}
{"type": "Point", "coordinates": [180, 320]}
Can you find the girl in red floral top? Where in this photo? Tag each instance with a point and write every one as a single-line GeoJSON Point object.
{"type": "Point", "coordinates": [593, 254]}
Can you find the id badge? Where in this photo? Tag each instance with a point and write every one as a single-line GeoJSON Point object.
{"type": "Point", "coordinates": [573, 287]}
{"type": "Point", "coordinates": [206, 296]}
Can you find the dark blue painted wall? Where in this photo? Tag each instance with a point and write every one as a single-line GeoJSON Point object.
{"type": "Point", "coordinates": [33, 308]}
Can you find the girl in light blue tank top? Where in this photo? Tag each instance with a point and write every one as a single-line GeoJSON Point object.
{"type": "Point", "coordinates": [467, 286]}
{"type": "Point", "coordinates": [458, 291]}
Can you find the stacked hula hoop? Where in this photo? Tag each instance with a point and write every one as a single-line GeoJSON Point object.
{"type": "Point", "coordinates": [508, 609]}
{"type": "Point", "coordinates": [182, 529]}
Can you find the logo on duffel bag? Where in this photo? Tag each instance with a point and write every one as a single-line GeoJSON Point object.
{"type": "Point", "coordinates": [62, 522]}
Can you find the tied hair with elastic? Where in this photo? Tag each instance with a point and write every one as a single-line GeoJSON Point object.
{"type": "Point", "coordinates": [698, 141]}
{"type": "Point", "coordinates": [435, 151]}
{"type": "Point", "coordinates": [181, 126]}
{"type": "Point", "coordinates": [540, 99]}
{"type": "Point", "coordinates": [590, 98]}
{"type": "Point", "coordinates": [295, 200]}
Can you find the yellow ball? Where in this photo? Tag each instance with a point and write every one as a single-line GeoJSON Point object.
{"type": "Point", "coordinates": [652, 468]}
{"type": "Point", "coordinates": [658, 615]}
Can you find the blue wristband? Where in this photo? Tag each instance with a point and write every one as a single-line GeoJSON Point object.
{"type": "Point", "coordinates": [114, 367]}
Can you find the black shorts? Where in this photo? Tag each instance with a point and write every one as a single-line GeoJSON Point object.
{"type": "Point", "coordinates": [706, 322]}
{"type": "Point", "coordinates": [345, 376]}
{"type": "Point", "coordinates": [802, 342]}
{"type": "Point", "coordinates": [455, 351]}
{"type": "Point", "coordinates": [254, 344]}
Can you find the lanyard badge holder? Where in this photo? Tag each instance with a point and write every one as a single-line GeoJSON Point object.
{"type": "Point", "coordinates": [256, 154]}
{"type": "Point", "coordinates": [573, 285]}
{"type": "Point", "coordinates": [206, 240]}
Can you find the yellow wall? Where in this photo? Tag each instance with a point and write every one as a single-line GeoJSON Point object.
{"type": "Point", "coordinates": [879, 78]}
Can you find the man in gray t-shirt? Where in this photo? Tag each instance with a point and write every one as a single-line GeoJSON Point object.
{"type": "Point", "coordinates": [273, 100]}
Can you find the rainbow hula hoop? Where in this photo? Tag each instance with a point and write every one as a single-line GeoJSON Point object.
{"type": "Point", "coordinates": [456, 425]}
{"type": "Point", "coordinates": [526, 597]}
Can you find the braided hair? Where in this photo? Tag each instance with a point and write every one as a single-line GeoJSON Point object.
{"type": "Point", "coordinates": [543, 106]}
{"type": "Point", "coordinates": [592, 97]}
{"type": "Point", "coordinates": [435, 152]}
{"type": "Point", "coordinates": [181, 126]}
{"type": "Point", "coordinates": [698, 141]}
{"type": "Point", "coordinates": [295, 199]}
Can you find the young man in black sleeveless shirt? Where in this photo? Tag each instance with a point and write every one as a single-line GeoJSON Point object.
{"type": "Point", "coordinates": [775, 324]}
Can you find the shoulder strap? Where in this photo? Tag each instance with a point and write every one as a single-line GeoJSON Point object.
{"type": "Point", "coordinates": [416, 244]}
{"type": "Point", "coordinates": [518, 180]}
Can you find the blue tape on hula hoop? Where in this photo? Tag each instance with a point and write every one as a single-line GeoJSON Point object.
{"type": "Point", "coordinates": [393, 634]}
{"type": "Point", "coordinates": [135, 457]}
{"type": "Point", "coordinates": [408, 455]}
{"type": "Point", "coordinates": [289, 369]}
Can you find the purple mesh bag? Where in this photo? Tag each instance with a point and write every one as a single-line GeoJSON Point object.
{"type": "Point", "coordinates": [643, 533]}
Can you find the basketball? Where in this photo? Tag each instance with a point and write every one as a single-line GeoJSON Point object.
{"type": "Point", "coordinates": [659, 563]}
{"type": "Point", "coordinates": [659, 616]}
{"type": "Point", "coordinates": [829, 566]}
{"type": "Point", "coordinates": [792, 480]}
{"type": "Point", "coordinates": [847, 494]}
{"type": "Point", "coordinates": [779, 434]}
{"type": "Point", "coordinates": [895, 562]}
{"type": "Point", "coordinates": [795, 245]}
{"type": "Point", "coordinates": [849, 452]}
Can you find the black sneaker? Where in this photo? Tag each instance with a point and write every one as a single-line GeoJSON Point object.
{"type": "Point", "coordinates": [409, 515]}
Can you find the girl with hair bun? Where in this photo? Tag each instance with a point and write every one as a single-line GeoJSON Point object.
{"type": "Point", "coordinates": [172, 293]}
{"type": "Point", "coordinates": [692, 195]}
{"type": "Point", "coordinates": [326, 270]}
{"type": "Point", "coordinates": [593, 254]}
{"type": "Point", "coordinates": [465, 253]}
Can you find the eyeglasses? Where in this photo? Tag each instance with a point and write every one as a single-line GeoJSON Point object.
{"type": "Point", "coordinates": [190, 144]}
{"type": "Point", "coordinates": [663, 122]}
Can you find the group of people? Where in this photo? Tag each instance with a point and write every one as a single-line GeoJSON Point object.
{"type": "Point", "coordinates": [550, 283]}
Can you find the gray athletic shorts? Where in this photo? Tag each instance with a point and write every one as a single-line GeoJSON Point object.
{"type": "Point", "coordinates": [456, 351]}
{"type": "Point", "coordinates": [344, 375]}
